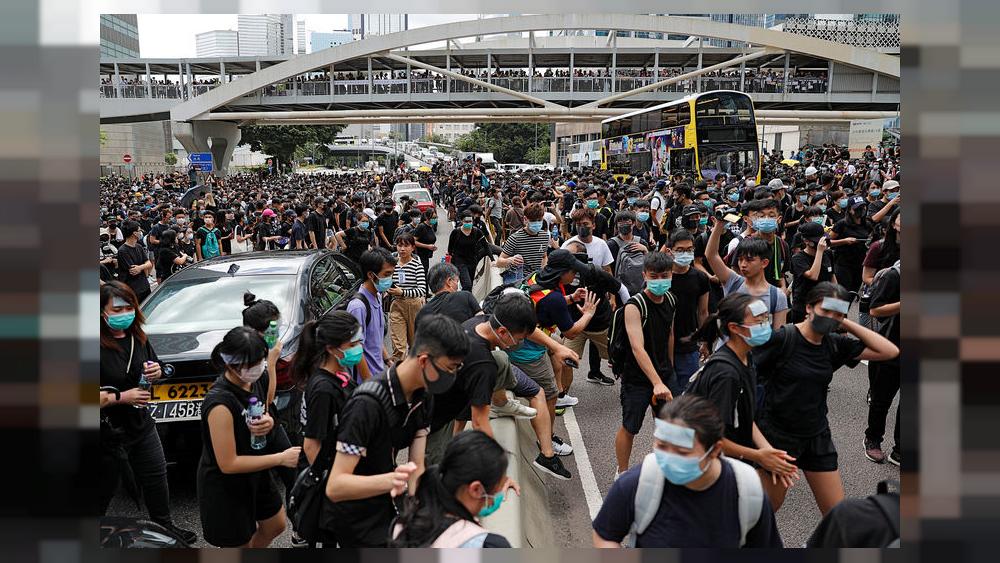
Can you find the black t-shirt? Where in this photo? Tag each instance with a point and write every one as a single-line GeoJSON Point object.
{"type": "Point", "coordinates": [476, 379]}
{"type": "Point", "coordinates": [851, 254]}
{"type": "Point", "coordinates": [117, 372]}
{"type": "Point", "coordinates": [357, 241]}
{"type": "Point", "coordinates": [656, 335]}
{"type": "Point", "coordinates": [462, 247]}
{"type": "Point", "coordinates": [732, 386]}
{"type": "Point", "coordinates": [364, 432]}
{"type": "Point", "coordinates": [801, 285]}
{"type": "Point", "coordinates": [316, 224]}
{"type": "Point", "coordinates": [156, 231]}
{"type": "Point", "coordinates": [458, 305]}
{"type": "Point", "coordinates": [688, 287]}
{"type": "Point", "coordinates": [795, 399]}
{"type": "Point", "coordinates": [129, 256]}
{"type": "Point", "coordinates": [165, 262]}
{"type": "Point", "coordinates": [792, 214]}
{"type": "Point", "coordinates": [299, 232]}
{"type": "Point", "coordinates": [225, 240]}
{"type": "Point", "coordinates": [388, 222]}
{"type": "Point", "coordinates": [884, 292]}
{"type": "Point", "coordinates": [322, 403]}
{"type": "Point", "coordinates": [855, 522]}
{"type": "Point", "coordinates": [686, 518]}
{"type": "Point", "coordinates": [424, 234]}
{"type": "Point", "coordinates": [601, 283]}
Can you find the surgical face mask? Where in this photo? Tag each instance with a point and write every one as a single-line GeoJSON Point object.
{"type": "Point", "coordinates": [842, 203]}
{"type": "Point", "coordinates": [765, 224]}
{"type": "Point", "coordinates": [631, 200]}
{"type": "Point", "coordinates": [534, 226]}
{"type": "Point", "coordinates": [493, 505]}
{"type": "Point", "coordinates": [821, 207]}
{"type": "Point", "coordinates": [383, 284]}
{"type": "Point", "coordinates": [625, 230]}
{"type": "Point", "coordinates": [804, 198]}
{"type": "Point", "coordinates": [734, 196]}
{"type": "Point", "coordinates": [121, 321]}
{"type": "Point", "coordinates": [679, 469]}
{"type": "Point", "coordinates": [352, 356]}
{"type": "Point", "coordinates": [643, 216]}
{"type": "Point", "coordinates": [823, 325]}
{"type": "Point", "coordinates": [585, 232]}
{"type": "Point", "coordinates": [759, 334]}
{"type": "Point", "coordinates": [875, 193]}
{"type": "Point", "coordinates": [592, 203]}
{"type": "Point", "coordinates": [251, 374]}
{"type": "Point", "coordinates": [658, 287]}
{"type": "Point", "coordinates": [415, 220]}
{"type": "Point", "coordinates": [703, 221]}
{"type": "Point", "coordinates": [684, 258]}
{"type": "Point", "coordinates": [363, 225]}
{"type": "Point", "coordinates": [708, 203]}
{"type": "Point", "coordinates": [819, 220]}
{"type": "Point", "coordinates": [443, 382]}
{"type": "Point", "coordinates": [467, 225]}
{"type": "Point", "coordinates": [434, 222]}
{"type": "Point", "coordinates": [892, 195]}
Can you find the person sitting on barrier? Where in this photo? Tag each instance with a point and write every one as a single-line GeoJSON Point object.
{"type": "Point", "coordinates": [470, 483]}
{"type": "Point", "coordinates": [684, 493]}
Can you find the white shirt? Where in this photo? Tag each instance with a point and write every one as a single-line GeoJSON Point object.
{"type": "Point", "coordinates": [597, 250]}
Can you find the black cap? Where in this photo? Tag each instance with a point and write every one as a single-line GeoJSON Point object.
{"type": "Point", "coordinates": [290, 213]}
{"type": "Point", "coordinates": [856, 201]}
{"type": "Point", "coordinates": [692, 210]}
{"type": "Point", "coordinates": [810, 231]}
{"type": "Point", "coordinates": [561, 260]}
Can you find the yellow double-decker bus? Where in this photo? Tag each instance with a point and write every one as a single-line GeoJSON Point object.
{"type": "Point", "coordinates": [702, 134]}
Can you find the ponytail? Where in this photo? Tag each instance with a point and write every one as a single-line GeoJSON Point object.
{"type": "Point", "coordinates": [333, 329]}
{"type": "Point", "coordinates": [732, 309]}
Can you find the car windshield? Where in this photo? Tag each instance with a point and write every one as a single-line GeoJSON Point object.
{"type": "Point", "coordinates": [731, 161]}
{"type": "Point", "coordinates": [418, 195]}
{"type": "Point", "coordinates": [214, 303]}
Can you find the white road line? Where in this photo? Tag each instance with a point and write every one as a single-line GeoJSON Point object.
{"type": "Point", "coordinates": [586, 472]}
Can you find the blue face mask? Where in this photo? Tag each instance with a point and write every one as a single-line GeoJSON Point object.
{"type": "Point", "coordinates": [679, 469]}
{"type": "Point", "coordinates": [765, 224]}
{"type": "Point", "coordinates": [875, 193]}
{"type": "Point", "coordinates": [822, 208]}
{"type": "Point", "coordinates": [121, 321]}
{"type": "Point", "coordinates": [804, 198]}
{"type": "Point", "coordinates": [466, 225]}
{"type": "Point", "coordinates": [493, 506]}
{"type": "Point", "coordinates": [383, 284]}
{"type": "Point", "coordinates": [658, 287]}
{"type": "Point", "coordinates": [434, 222]}
{"type": "Point", "coordinates": [819, 220]}
{"type": "Point", "coordinates": [734, 196]}
{"type": "Point", "coordinates": [842, 203]}
{"type": "Point", "coordinates": [684, 258]}
{"type": "Point", "coordinates": [759, 334]}
{"type": "Point", "coordinates": [363, 225]}
{"type": "Point", "coordinates": [631, 200]}
{"type": "Point", "coordinates": [708, 203]}
{"type": "Point", "coordinates": [643, 216]}
{"type": "Point", "coordinates": [534, 226]}
{"type": "Point", "coordinates": [592, 203]}
{"type": "Point", "coordinates": [892, 195]}
{"type": "Point", "coordinates": [352, 356]}
{"type": "Point", "coordinates": [703, 221]}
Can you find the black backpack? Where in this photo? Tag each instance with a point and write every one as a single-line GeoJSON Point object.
{"type": "Point", "coordinates": [619, 347]}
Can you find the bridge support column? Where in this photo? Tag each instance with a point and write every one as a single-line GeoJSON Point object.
{"type": "Point", "coordinates": [224, 135]}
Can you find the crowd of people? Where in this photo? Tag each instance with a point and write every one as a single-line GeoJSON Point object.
{"type": "Point", "coordinates": [722, 307]}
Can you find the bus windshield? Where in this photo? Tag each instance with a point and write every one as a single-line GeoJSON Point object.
{"type": "Point", "coordinates": [729, 160]}
{"type": "Point", "coordinates": [722, 109]}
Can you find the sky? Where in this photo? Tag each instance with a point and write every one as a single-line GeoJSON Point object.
{"type": "Point", "coordinates": [172, 35]}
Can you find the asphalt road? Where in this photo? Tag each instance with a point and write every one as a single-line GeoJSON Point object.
{"type": "Point", "coordinates": [594, 421]}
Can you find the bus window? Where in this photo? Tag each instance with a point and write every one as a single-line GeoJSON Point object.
{"type": "Point", "coordinates": [683, 114]}
{"type": "Point", "coordinates": [669, 117]}
{"type": "Point", "coordinates": [636, 124]}
{"type": "Point", "coordinates": [681, 160]}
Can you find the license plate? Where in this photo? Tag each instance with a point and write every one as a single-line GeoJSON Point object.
{"type": "Point", "coordinates": [179, 391]}
{"type": "Point", "coordinates": [175, 411]}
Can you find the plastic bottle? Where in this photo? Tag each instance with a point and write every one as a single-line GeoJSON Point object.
{"type": "Point", "coordinates": [144, 383]}
{"type": "Point", "coordinates": [254, 412]}
{"type": "Point", "coordinates": [271, 334]}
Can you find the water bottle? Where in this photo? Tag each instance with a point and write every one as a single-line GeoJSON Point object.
{"type": "Point", "coordinates": [144, 384]}
{"type": "Point", "coordinates": [255, 412]}
{"type": "Point", "coordinates": [271, 334]}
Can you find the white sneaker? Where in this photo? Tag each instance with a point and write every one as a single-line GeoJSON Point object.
{"type": "Point", "coordinates": [617, 475]}
{"type": "Point", "coordinates": [560, 447]}
{"type": "Point", "coordinates": [512, 408]}
{"type": "Point", "coordinates": [566, 401]}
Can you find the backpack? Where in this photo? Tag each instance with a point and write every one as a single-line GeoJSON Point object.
{"type": "Point", "coordinates": [619, 347]}
{"type": "Point", "coordinates": [629, 267]}
{"type": "Point", "coordinates": [650, 492]}
{"type": "Point", "coordinates": [527, 286]}
{"type": "Point", "coordinates": [865, 296]}
{"type": "Point", "coordinates": [209, 248]}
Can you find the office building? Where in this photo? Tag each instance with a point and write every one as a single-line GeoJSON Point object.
{"type": "Point", "coordinates": [265, 35]}
{"type": "Point", "coordinates": [324, 40]}
{"type": "Point", "coordinates": [120, 36]}
{"type": "Point", "coordinates": [300, 37]}
{"type": "Point", "coordinates": [369, 25]}
{"type": "Point", "coordinates": [217, 43]}
{"type": "Point", "coordinates": [450, 131]}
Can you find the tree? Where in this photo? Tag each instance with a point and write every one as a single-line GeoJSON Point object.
{"type": "Point", "coordinates": [281, 141]}
{"type": "Point", "coordinates": [539, 155]}
{"type": "Point", "coordinates": [170, 158]}
{"type": "Point", "coordinates": [436, 138]}
{"type": "Point", "coordinates": [509, 142]}
{"type": "Point", "coordinates": [104, 137]}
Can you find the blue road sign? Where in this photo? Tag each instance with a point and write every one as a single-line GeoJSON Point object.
{"type": "Point", "coordinates": [202, 166]}
{"type": "Point", "coordinates": [200, 158]}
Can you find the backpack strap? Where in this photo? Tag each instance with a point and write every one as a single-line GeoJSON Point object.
{"type": "Point", "coordinates": [368, 307]}
{"type": "Point", "coordinates": [773, 297]}
{"type": "Point", "coordinates": [751, 496]}
{"type": "Point", "coordinates": [647, 498]}
{"type": "Point", "coordinates": [377, 391]}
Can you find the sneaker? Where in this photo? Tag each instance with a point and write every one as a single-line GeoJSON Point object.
{"type": "Point", "coordinates": [567, 401]}
{"type": "Point", "coordinates": [560, 411]}
{"type": "Point", "coordinates": [298, 542]}
{"type": "Point", "coordinates": [188, 536]}
{"type": "Point", "coordinates": [894, 457]}
{"type": "Point", "coordinates": [600, 379]}
{"type": "Point", "coordinates": [560, 447]}
{"type": "Point", "coordinates": [512, 408]}
{"type": "Point", "coordinates": [617, 475]}
{"type": "Point", "coordinates": [552, 466]}
{"type": "Point", "coordinates": [874, 452]}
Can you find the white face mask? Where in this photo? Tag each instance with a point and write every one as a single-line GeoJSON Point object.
{"type": "Point", "coordinates": [252, 374]}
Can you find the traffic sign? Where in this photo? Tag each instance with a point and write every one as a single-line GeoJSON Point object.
{"type": "Point", "coordinates": [127, 158]}
{"type": "Point", "coordinates": [202, 166]}
{"type": "Point", "coordinates": [200, 157]}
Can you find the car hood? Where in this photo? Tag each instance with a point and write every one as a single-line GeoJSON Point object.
{"type": "Point", "coordinates": [186, 345]}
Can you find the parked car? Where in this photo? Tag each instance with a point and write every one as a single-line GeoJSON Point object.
{"type": "Point", "coordinates": [192, 310]}
{"type": "Point", "coordinates": [418, 194]}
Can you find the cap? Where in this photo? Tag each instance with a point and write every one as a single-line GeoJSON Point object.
{"type": "Point", "coordinates": [571, 184]}
{"type": "Point", "coordinates": [890, 185]}
{"type": "Point", "coordinates": [290, 213]}
{"type": "Point", "coordinates": [267, 213]}
{"type": "Point", "coordinates": [811, 171]}
{"type": "Point", "coordinates": [775, 185]}
{"type": "Point", "coordinates": [691, 210]}
{"type": "Point", "coordinates": [561, 260]}
{"type": "Point", "coordinates": [810, 231]}
{"type": "Point", "coordinates": [661, 183]}
{"type": "Point", "coordinates": [856, 201]}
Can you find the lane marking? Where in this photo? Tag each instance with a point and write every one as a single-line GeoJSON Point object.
{"type": "Point", "coordinates": [587, 479]}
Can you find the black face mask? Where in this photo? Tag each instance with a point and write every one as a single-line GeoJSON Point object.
{"type": "Point", "coordinates": [584, 232]}
{"type": "Point", "coordinates": [443, 383]}
{"type": "Point", "coordinates": [690, 223]}
{"type": "Point", "coordinates": [624, 230]}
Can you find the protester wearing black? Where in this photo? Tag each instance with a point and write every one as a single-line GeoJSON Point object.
{"type": "Point", "coordinates": [134, 264]}
{"type": "Point", "coordinates": [127, 429]}
{"type": "Point", "coordinates": [850, 238]}
{"type": "Point", "coordinates": [463, 245]}
{"type": "Point", "coordinates": [809, 267]}
{"type": "Point", "coordinates": [883, 377]}
{"type": "Point", "coordinates": [426, 235]}
{"type": "Point", "coordinates": [169, 258]}
{"type": "Point", "coordinates": [447, 299]}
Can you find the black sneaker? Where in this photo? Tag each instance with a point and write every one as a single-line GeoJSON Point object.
{"type": "Point", "coordinates": [298, 542]}
{"type": "Point", "coordinates": [894, 457]}
{"type": "Point", "coordinates": [552, 466]}
{"type": "Point", "coordinates": [600, 379]}
{"type": "Point", "coordinates": [188, 536]}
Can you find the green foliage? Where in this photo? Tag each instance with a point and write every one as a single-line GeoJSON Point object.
{"type": "Point", "coordinates": [170, 158]}
{"type": "Point", "coordinates": [104, 137]}
{"type": "Point", "coordinates": [509, 142]}
{"type": "Point", "coordinates": [538, 155]}
{"type": "Point", "coordinates": [281, 141]}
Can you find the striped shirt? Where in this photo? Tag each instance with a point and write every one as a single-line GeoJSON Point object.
{"type": "Point", "coordinates": [530, 247]}
{"type": "Point", "coordinates": [410, 277]}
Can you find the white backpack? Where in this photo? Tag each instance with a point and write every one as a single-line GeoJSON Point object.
{"type": "Point", "coordinates": [650, 491]}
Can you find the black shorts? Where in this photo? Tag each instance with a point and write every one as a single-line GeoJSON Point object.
{"type": "Point", "coordinates": [229, 515]}
{"type": "Point", "coordinates": [635, 400]}
{"type": "Point", "coordinates": [811, 454]}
